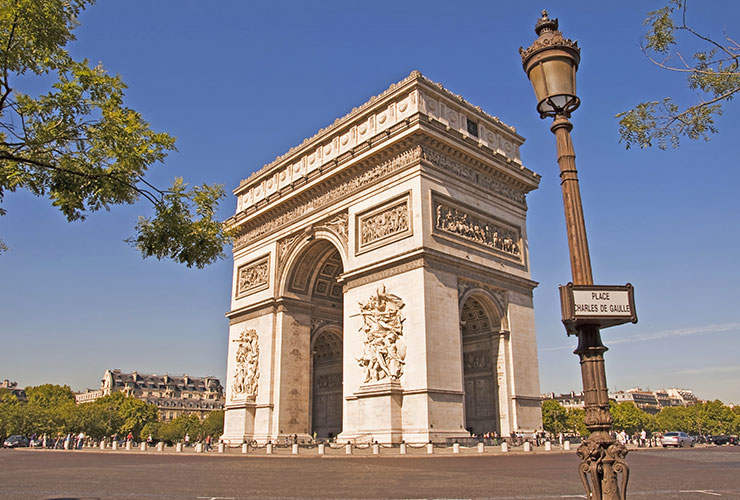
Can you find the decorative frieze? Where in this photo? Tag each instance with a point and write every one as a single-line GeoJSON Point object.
{"type": "Point", "coordinates": [339, 224]}
{"type": "Point", "coordinates": [384, 352]}
{"type": "Point", "coordinates": [465, 224]}
{"type": "Point", "coordinates": [246, 373]}
{"type": "Point", "coordinates": [361, 180]}
{"type": "Point", "coordinates": [253, 276]}
{"type": "Point", "coordinates": [477, 360]}
{"type": "Point", "coordinates": [474, 176]}
{"type": "Point", "coordinates": [385, 224]}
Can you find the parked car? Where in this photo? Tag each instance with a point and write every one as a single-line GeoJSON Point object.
{"type": "Point", "coordinates": [720, 440]}
{"type": "Point", "coordinates": [677, 439]}
{"type": "Point", "coordinates": [16, 441]}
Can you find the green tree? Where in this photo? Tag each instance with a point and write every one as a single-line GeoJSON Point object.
{"type": "Point", "coordinates": [126, 413]}
{"type": "Point", "coordinates": [713, 417]}
{"type": "Point", "coordinates": [80, 146]}
{"type": "Point", "coordinates": [554, 417]}
{"type": "Point", "coordinates": [629, 418]}
{"type": "Point", "coordinates": [176, 429]}
{"type": "Point", "coordinates": [50, 395]}
{"type": "Point", "coordinates": [576, 421]}
{"type": "Point", "coordinates": [675, 418]}
{"type": "Point", "coordinates": [8, 408]}
{"type": "Point", "coordinates": [213, 425]}
{"type": "Point", "coordinates": [713, 72]}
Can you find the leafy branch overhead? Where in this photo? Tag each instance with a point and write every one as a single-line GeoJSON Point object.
{"type": "Point", "coordinates": [712, 72]}
{"type": "Point", "coordinates": [78, 144]}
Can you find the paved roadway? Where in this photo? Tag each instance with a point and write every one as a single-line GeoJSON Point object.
{"type": "Point", "coordinates": [683, 474]}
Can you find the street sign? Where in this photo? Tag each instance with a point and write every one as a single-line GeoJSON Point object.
{"type": "Point", "coordinates": [601, 305]}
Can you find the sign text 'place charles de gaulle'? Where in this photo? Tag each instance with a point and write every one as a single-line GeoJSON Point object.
{"type": "Point", "coordinates": [601, 305]}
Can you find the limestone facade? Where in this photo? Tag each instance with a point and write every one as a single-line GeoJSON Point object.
{"type": "Point", "coordinates": [381, 287]}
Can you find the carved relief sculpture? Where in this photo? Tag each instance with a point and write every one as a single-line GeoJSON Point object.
{"type": "Point", "coordinates": [488, 233]}
{"type": "Point", "coordinates": [384, 350]}
{"type": "Point", "coordinates": [246, 375]}
{"type": "Point", "coordinates": [253, 276]}
{"type": "Point", "coordinates": [390, 221]}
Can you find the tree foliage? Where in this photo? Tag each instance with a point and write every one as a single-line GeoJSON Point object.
{"type": "Point", "coordinates": [710, 417]}
{"type": "Point", "coordinates": [78, 144]}
{"type": "Point", "coordinates": [556, 419]}
{"type": "Point", "coordinates": [713, 72]}
{"type": "Point", "coordinates": [51, 410]}
{"type": "Point", "coordinates": [629, 418]}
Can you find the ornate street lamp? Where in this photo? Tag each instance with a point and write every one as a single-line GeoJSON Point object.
{"type": "Point", "coordinates": [551, 63]}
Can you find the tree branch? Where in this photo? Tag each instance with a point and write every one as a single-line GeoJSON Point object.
{"type": "Point", "coordinates": [701, 105]}
{"type": "Point", "coordinates": [4, 155]}
{"type": "Point", "coordinates": [8, 90]}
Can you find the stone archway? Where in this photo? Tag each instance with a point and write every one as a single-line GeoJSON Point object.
{"type": "Point", "coordinates": [480, 352]}
{"type": "Point", "coordinates": [415, 200]}
{"type": "Point", "coordinates": [326, 383]}
{"type": "Point", "coordinates": [313, 278]}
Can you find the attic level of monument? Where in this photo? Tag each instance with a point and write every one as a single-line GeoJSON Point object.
{"type": "Point", "coordinates": [381, 285]}
{"type": "Point", "coordinates": [416, 116]}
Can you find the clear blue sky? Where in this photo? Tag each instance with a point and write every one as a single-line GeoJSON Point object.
{"type": "Point", "coordinates": [239, 83]}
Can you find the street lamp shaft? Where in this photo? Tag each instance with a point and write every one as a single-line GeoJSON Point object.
{"type": "Point", "coordinates": [580, 260]}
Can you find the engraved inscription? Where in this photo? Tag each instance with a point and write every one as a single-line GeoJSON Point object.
{"type": "Point", "coordinates": [253, 276]}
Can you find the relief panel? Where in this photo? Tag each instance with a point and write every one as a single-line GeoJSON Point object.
{"type": "Point", "coordinates": [385, 224]}
{"type": "Point", "coordinates": [463, 223]}
{"type": "Point", "coordinates": [253, 276]}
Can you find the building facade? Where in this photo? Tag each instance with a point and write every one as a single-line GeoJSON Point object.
{"type": "Point", "coordinates": [173, 395]}
{"type": "Point", "coordinates": [381, 286]}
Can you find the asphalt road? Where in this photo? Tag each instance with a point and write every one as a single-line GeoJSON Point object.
{"type": "Point", "coordinates": [684, 474]}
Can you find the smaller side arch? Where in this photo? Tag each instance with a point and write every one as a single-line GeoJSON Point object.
{"type": "Point", "coordinates": [496, 306]}
{"type": "Point", "coordinates": [296, 248]}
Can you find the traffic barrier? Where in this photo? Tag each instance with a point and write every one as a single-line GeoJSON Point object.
{"type": "Point", "coordinates": [456, 448]}
{"type": "Point", "coordinates": [160, 446]}
{"type": "Point", "coordinates": [198, 447]}
{"type": "Point", "coordinates": [430, 448]}
{"type": "Point", "coordinates": [504, 447]}
{"type": "Point", "coordinates": [114, 445]}
{"type": "Point", "coordinates": [548, 446]}
{"type": "Point", "coordinates": [322, 448]}
{"type": "Point", "coordinates": [376, 448]}
{"type": "Point", "coordinates": [527, 446]}
{"type": "Point", "coordinates": [294, 449]}
{"type": "Point", "coordinates": [566, 445]}
{"type": "Point", "coordinates": [481, 447]}
{"type": "Point", "coordinates": [221, 447]}
{"type": "Point", "coordinates": [142, 446]}
{"type": "Point", "coordinates": [268, 448]}
{"type": "Point", "coordinates": [403, 449]}
{"type": "Point", "coordinates": [102, 445]}
{"type": "Point", "coordinates": [245, 448]}
{"type": "Point", "coordinates": [348, 449]}
{"type": "Point", "coordinates": [178, 447]}
{"type": "Point", "coordinates": [128, 445]}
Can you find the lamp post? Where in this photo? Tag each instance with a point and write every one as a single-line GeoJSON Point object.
{"type": "Point", "coordinates": [551, 63]}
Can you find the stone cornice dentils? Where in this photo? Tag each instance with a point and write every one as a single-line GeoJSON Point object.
{"type": "Point", "coordinates": [414, 78]}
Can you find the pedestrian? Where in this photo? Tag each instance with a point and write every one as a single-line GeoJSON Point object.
{"type": "Point", "coordinates": [187, 439]}
{"type": "Point", "coordinates": [208, 443]}
{"type": "Point", "coordinates": [80, 440]}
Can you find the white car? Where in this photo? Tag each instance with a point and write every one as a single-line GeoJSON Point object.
{"type": "Point", "coordinates": [677, 439]}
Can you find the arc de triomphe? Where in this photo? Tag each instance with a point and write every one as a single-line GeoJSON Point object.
{"type": "Point", "coordinates": [381, 286]}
